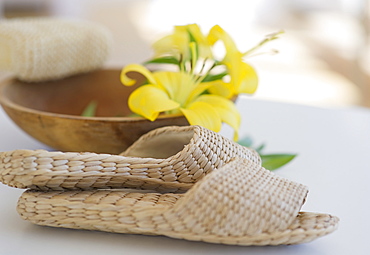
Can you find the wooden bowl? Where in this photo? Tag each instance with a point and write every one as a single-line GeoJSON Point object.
{"type": "Point", "coordinates": [50, 112]}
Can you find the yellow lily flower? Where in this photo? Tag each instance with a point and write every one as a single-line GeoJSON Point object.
{"type": "Point", "coordinates": [243, 78]}
{"type": "Point", "coordinates": [178, 43]}
{"type": "Point", "coordinates": [180, 93]}
{"type": "Point", "coordinates": [202, 87]}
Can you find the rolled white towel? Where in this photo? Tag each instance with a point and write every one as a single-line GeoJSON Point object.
{"type": "Point", "coordinates": [41, 49]}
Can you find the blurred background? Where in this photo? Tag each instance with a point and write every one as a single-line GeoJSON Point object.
{"type": "Point", "coordinates": [323, 57]}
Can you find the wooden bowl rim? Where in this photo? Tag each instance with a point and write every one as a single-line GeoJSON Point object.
{"type": "Point", "coordinates": [9, 103]}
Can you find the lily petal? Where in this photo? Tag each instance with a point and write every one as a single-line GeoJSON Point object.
{"type": "Point", "coordinates": [149, 100]}
{"type": "Point", "coordinates": [249, 79]}
{"type": "Point", "coordinates": [217, 33]}
{"type": "Point", "coordinates": [201, 113]}
{"type": "Point", "coordinates": [164, 46]}
{"type": "Point", "coordinates": [199, 89]}
{"type": "Point", "coordinates": [177, 43]}
{"type": "Point", "coordinates": [226, 109]}
{"type": "Point", "coordinates": [127, 81]}
{"type": "Point", "coordinates": [203, 46]}
{"type": "Point", "coordinates": [221, 88]}
{"type": "Point", "coordinates": [243, 78]}
{"type": "Point", "coordinates": [178, 85]}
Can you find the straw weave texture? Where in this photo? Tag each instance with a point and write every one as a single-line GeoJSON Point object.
{"type": "Point", "coordinates": [241, 203]}
{"type": "Point", "coordinates": [42, 49]}
{"type": "Point", "coordinates": [202, 152]}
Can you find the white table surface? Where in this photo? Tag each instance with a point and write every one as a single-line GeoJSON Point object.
{"type": "Point", "coordinates": [333, 147]}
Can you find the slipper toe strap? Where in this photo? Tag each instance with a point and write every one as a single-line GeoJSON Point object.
{"type": "Point", "coordinates": [242, 198]}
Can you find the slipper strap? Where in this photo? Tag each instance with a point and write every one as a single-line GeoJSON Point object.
{"type": "Point", "coordinates": [241, 198]}
{"type": "Point", "coordinates": [206, 151]}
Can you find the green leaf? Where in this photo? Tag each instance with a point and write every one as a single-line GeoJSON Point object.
{"type": "Point", "coordinates": [134, 115]}
{"type": "Point", "coordinates": [260, 148]}
{"type": "Point", "coordinates": [90, 109]}
{"type": "Point", "coordinates": [163, 60]}
{"type": "Point", "coordinates": [246, 141]}
{"type": "Point", "coordinates": [275, 161]}
{"type": "Point", "coordinates": [214, 77]}
{"type": "Point", "coordinates": [269, 161]}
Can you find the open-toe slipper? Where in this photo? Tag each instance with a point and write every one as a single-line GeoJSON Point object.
{"type": "Point", "coordinates": [239, 204]}
{"type": "Point", "coordinates": [165, 159]}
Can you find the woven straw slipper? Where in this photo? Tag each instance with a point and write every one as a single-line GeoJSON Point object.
{"type": "Point", "coordinates": [239, 204]}
{"type": "Point", "coordinates": [166, 159]}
